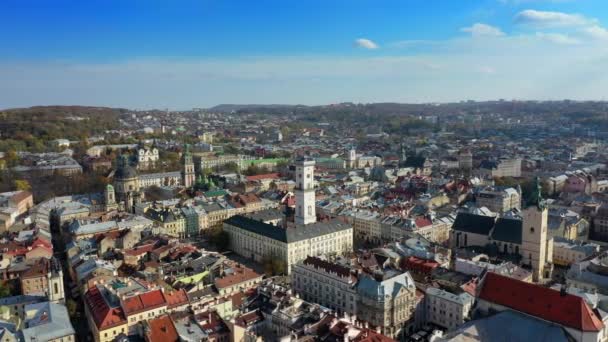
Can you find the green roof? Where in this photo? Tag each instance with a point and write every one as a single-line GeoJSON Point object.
{"type": "Point", "coordinates": [216, 193]}
{"type": "Point", "coordinates": [266, 160]}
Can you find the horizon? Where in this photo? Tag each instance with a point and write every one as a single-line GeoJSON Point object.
{"type": "Point", "coordinates": [190, 54]}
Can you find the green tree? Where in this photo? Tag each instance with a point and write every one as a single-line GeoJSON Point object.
{"type": "Point", "coordinates": [22, 184]}
{"type": "Point", "coordinates": [5, 290]}
{"type": "Point", "coordinates": [72, 307]}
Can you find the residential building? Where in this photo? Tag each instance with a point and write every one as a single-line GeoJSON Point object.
{"type": "Point", "coordinates": [447, 309]}
{"type": "Point", "coordinates": [387, 303]}
{"type": "Point", "coordinates": [499, 200]}
{"type": "Point", "coordinates": [327, 283]}
{"type": "Point", "coordinates": [47, 322]}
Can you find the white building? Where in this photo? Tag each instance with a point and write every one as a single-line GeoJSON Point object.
{"type": "Point", "coordinates": [447, 309]}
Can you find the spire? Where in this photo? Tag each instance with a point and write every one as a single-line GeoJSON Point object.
{"type": "Point", "coordinates": [536, 198]}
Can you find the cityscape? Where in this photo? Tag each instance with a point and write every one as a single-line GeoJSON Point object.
{"type": "Point", "coordinates": [261, 193]}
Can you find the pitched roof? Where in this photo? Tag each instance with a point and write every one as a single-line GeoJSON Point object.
{"type": "Point", "coordinates": [564, 309]}
{"type": "Point", "coordinates": [176, 298]}
{"type": "Point", "coordinates": [162, 329]}
{"type": "Point", "coordinates": [507, 230]}
{"type": "Point", "coordinates": [143, 302]}
{"type": "Point", "coordinates": [287, 234]}
{"type": "Point", "coordinates": [327, 266]}
{"type": "Point", "coordinates": [103, 314]}
{"type": "Point", "coordinates": [240, 275]}
{"type": "Point", "coordinates": [471, 223]}
{"type": "Point", "coordinates": [264, 176]}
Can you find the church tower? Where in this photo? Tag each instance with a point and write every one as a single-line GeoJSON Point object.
{"type": "Point", "coordinates": [537, 248]}
{"type": "Point", "coordinates": [305, 192]}
{"type": "Point", "coordinates": [352, 157]}
{"type": "Point", "coordinates": [188, 174]}
{"type": "Point", "coordinates": [110, 198]}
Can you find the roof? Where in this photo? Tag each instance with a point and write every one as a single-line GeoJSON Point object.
{"type": "Point", "coordinates": [46, 322]}
{"type": "Point", "coordinates": [471, 223]}
{"type": "Point", "coordinates": [287, 235]}
{"type": "Point", "coordinates": [162, 329]}
{"type": "Point", "coordinates": [327, 266]}
{"type": "Point", "coordinates": [508, 326]}
{"type": "Point", "coordinates": [144, 302]}
{"type": "Point", "coordinates": [240, 274]}
{"type": "Point", "coordinates": [176, 298]}
{"type": "Point", "coordinates": [376, 290]}
{"type": "Point", "coordinates": [507, 230]}
{"type": "Point", "coordinates": [564, 309]}
{"type": "Point", "coordinates": [103, 314]}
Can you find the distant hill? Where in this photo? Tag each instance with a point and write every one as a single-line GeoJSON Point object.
{"type": "Point", "coordinates": [31, 128]}
{"type": "Point", "coordinates": [227, 108]}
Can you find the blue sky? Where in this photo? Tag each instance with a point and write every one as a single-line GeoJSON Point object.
{"type": "Point", "coordinates": [184, 54]}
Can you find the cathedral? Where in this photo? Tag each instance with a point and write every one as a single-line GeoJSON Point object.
{"type": "Point", "coordinates": [129, 185]}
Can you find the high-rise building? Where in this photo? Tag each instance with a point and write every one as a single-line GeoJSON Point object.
{"type": "Point", "coordinates": [305, 192]}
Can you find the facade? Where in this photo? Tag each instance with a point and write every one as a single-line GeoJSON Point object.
{"type": "Point", "coordinates": [568, 252]}
{"type": "Point", "coordinates": [147, 157]}
{"type": "Point", "coordinates": [447, 309]}
{"type": "Point", "coordinates": [44, 277]}
{"type": "Point", "coordinates": [258, 240]}
{"type": "Point", "coordinates": [499, 200]}
{"type": "Point", "coordinates": [188, 174]}
{"type": "Point", "coordinates": [387, 304]}
{"type": "Point", "coordinates": [326, 283]}
{"type": "Point", "coordinates": [171, 221]}
{"type": "Point", "coordinates": [465, 160]}
{"type": "Point", "coordinates": [305, 192]}
{"type": "Point", "coordinates": [503, 167]}
{"type": "Point", "coordinates": [12, 205]}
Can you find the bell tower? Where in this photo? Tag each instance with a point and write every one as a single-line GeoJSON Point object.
{"type": "Point", "coordinates": [536, 246]}
{"type": "Point", "coordinates": [305, 192]}
{"type": "Point", "coordinates": [188, 174]}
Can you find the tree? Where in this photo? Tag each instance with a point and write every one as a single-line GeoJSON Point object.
{"type": "Point", "coordinates": [5, 290]}
{"type": "Point", "coordinates": [72, 307]}
{"type": "Point", "coordinates": [231, 167]}
{"type": "Point", "coordinates": [22, 184]}
{"type": "Point", "coordinates": [274, 265]}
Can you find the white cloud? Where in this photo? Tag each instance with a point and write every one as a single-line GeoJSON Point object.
{"type": "Point", "coordinates": [479, 29]}
{"type": "Point", "coordinates": [552, 19]}
{"type": "Point", "coordinates": [558, 38]}
{"type": "Point", "coordinates": [366, 44]}
{"type": "Point", "coordinates": [596, 32]}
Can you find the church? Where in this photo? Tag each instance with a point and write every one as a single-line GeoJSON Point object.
{"type": "Point", "coordinates": [129, 185]}
{"type": "Point", "coordinates": [525, 239]}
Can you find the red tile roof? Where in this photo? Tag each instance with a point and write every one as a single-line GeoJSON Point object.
{"type": "Point", "coordinates": [162, 329]}
{"type": "Point", "coordinates": [104, 316]}
{"type": "Point", "coordinates": [139, 250]}
{"type": "Point", "coordinates": [176, 298]}
{"type": "Point", "coordinates": [241, 274]}
{"type": "Point", "coordinates": [144, 302]}
{"type": "Point", "coordinates": [423, 222]}
{"type": "Point", "coordinates": [369, 335]}
{"type": "Point", "coordinates": [567, 310]}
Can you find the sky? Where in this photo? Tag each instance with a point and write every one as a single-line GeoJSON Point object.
{"type": "Point", "coordinates": [189, 54]}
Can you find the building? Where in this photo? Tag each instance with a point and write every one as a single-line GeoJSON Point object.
{"type": "Point", "coordinates": [240, 278]}
{"type": "Point", "coordinates": [499, 200]}
{"type": "Point", "coordinates": [503, 167]}
{"type": "Point", "coordinates": [327, 283]}
{"type": "Point", "coordinates": [465, 160]}
{"type": "Point", "coordinates": [387, 304]}
{"type": "Point", "coordinates": [259, 240]}
{"type": "Point", "coordinates": [305, 192]}
{"type": "Point", "coordinates": [188, 174]}
{"type": "Point", "coordinates": [498, 293]}
{"type": "Point", "coordinates": [172, 222]}
{"type": "Point", "coordinates": [44, 277]}
{"type": "Point", "coordinates": [567, 252]}
{"type": "Point", "coordinates": [147, 157]}
{"type": "Point", "coordinates": [126, 183]}
{"type": "Point", "coordinates": [105, 316]}
{"type": "Point", "coordinates": [47, 322]}
{"type": "Point", "coordinates": [528, 238]}
{"type": "Point", "coordinates": [447, 309]}
{"type": "Point", "coordinates": [13, 205]}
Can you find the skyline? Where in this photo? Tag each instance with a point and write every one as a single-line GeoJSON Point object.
{"type": "Point", "coordinates": [204, 53]}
